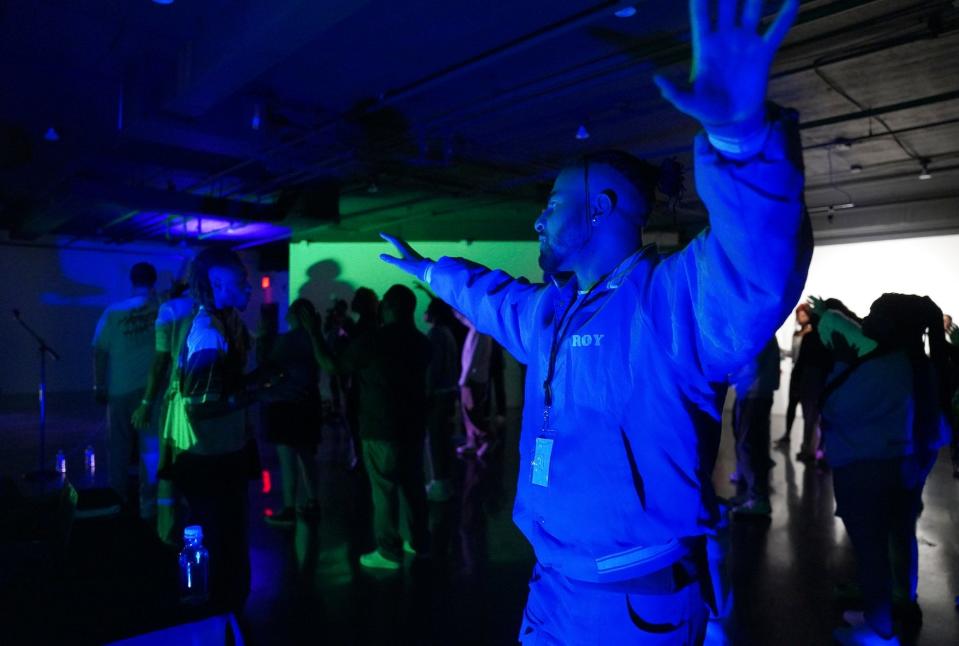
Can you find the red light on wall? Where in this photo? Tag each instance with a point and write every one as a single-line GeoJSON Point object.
{"type": "Point", "coordinates": [265, 282]}
{"type": "Point", "coordinates": [267, 483]}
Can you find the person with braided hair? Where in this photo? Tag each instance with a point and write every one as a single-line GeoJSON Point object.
{"type": "Point", "coordinates": [215, 470]}
{"type": "Point", "coordinates": [883, 418]}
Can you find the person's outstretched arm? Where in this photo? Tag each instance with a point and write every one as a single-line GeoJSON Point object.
{"type": "Point", "coordinates": [716, 302]}
{"type": "Point", "coordinates": [495, 302]}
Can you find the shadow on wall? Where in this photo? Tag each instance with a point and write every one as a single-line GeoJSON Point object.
{"type": "Point", "coordinates": [61, 293]}
{"type": "Point", "coordinates": [323, 285]}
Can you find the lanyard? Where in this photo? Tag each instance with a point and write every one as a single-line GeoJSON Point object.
{"type": "Point", "coordinates": [559, 332]}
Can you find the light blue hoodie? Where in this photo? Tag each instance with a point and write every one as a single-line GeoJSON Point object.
{"type": "Point", "coordinates": [638, 387]}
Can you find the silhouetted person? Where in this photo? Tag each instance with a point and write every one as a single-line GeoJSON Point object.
{"type": "Point", "coordinates": [293, 423]}
{"type": "Point", "coordinates": [366, 306]}
{"type": "Point", "coordinates": [883, 418]}
{"type": "Point", "coordinates": [475, 391]}
{"type": "Point", "coordinates": [123, 346]}
{"type": "Point", "coordinates": [803, 327]}
{"type": "Point", "coordinates": [755, 384]}
{"type": "Point", "coordinates": [389, 364]}
{"type": "Point", "coordinates": [173, 322]}
{"type": "Point", "coordinates": [442, 390]}
{"type": "Point", "coordinates": [337, 330]}
{"type": "Point", "coordinates": [813, 367]}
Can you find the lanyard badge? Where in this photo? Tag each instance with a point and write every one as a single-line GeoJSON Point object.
{"type": "Point", "coordinates": [543, 450]}
{"type": "Point", "coordinates": [539, 474]}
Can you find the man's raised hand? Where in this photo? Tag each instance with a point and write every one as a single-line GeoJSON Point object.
{"type": "Point", "coordinates": [731, 62]}
{"type": "Point", "coordinates": [409, 261]}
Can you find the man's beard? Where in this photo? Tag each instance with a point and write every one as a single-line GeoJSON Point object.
{"type": "Point", "coordinates": [548, 260]}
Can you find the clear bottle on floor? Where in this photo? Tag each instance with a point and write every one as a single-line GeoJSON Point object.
{"type": "Point", "coordinates": [61, 462]}
{"type": "Point", "coordinates": [90, 459]}
{"type": "Point", "coordinates": [194, 567]}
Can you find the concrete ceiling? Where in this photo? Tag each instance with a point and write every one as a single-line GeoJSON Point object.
{"type": "Point", "coordinates": [443, 120]}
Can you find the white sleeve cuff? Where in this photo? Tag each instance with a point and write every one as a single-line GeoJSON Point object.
{"type": "Point", "coordinates": [428, 272]}
{"type": "Point", "coordinates": [741, 147]}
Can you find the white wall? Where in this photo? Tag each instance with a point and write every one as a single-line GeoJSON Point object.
{"type": "Point", "coordinates": [61, 292]}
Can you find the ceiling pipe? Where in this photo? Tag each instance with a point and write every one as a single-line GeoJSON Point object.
{"type": "Point", "coordinates": [392, 96]}
{"type": "Point", "coordinates": [872, 112]}
{"type": "Point", "coordinates": [530, 40]}
{"type": "Point", "coordinates": [588, 75]}
{"type": "Point", "coordinates": [884, 134]}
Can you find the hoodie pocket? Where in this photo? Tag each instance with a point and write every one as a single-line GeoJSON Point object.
{"type": "Point", "coordinates": [637, 477]}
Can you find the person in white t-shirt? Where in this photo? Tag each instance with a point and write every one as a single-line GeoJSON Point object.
{"type": "Point", "coordinates": [123, 348]}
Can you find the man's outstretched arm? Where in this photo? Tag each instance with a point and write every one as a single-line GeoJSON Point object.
{"type": "Point", "coordinates": [497, 304]}
{"type": "Point", "coordinates": [720, 298]}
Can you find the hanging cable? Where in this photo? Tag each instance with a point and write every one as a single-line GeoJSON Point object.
{"type": "Point", "coordinates": [843, 93]}
{"type": "Point", "coordinates": [832, 182]}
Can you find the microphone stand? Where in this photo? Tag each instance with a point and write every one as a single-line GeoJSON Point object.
{"type": "Point", "coordinates": [42, 472]}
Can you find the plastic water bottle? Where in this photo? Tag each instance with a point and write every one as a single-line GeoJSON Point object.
{"type": "Point", "coordinates": [90, 459]}
{"type": "Point", "coordinates": [61, 465]}
{"type": "Point", "coordinates": [194, 567]}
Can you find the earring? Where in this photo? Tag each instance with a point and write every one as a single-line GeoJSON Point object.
{"type": "Point", "coordinates": [595, 219]}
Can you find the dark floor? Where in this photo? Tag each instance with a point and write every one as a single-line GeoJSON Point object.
{"type": "Point", "coordinates": [112, 581]}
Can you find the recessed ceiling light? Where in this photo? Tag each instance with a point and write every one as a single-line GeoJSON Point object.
{"type": "Point", "coordinates": [582, 133]}
{"type": "Point", "coordinates": [625, 12]}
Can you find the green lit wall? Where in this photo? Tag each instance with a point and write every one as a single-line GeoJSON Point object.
{"type": "Point", "coordinates": [322, 271]}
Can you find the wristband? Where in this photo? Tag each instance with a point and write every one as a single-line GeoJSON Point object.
{"type": "Point", "coordinates": [428, 272]}
{"type": "Point", "coordinates": [740, 147]}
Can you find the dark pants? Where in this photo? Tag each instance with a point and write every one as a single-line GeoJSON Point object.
{"type": "Point", "coordinates": [299, 475]}
{"type": "Point", "coordinates": [792, 404]}
{"type": "Point", "coordinates": [123, 436]}
{"type": "Point", "coordinates": [395, 469]}
{"type": "Point", "coordinates": [476, 419]}
{"type": "Point", "coordinates": [440, 429]}
{"type": "Point", "coordinates": [216, 489]}
{"type": "Point", "coordinates": [751, 428]}
{"type": "Point", "coordinates": [904, 548]}
{"type": "Point", "coordinates": [810, 389]}
{"type": "Point", "coordinates": [879, 502]}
